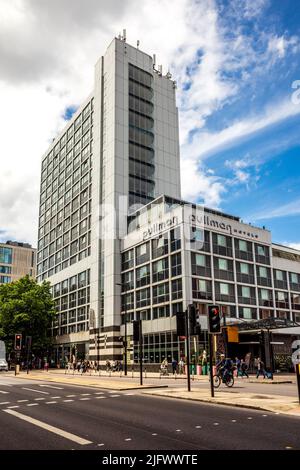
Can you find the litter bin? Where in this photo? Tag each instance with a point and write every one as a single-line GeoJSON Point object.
{"type": "Point", "coordinates": [17, 369]}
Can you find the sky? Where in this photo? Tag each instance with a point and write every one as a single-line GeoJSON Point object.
{"type": "Point", "coordinates": [237, 67]}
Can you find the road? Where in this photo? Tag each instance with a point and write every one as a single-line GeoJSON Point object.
{"type": "Point", "coordinates": [41, 415]}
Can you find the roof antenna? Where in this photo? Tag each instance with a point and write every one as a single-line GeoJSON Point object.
{"type": "Point", "coordinates": [154, 60]}
{"type": "Point", "coordinates": [124, 35]}
{"type": "Point", "coordinates": [137, 43]}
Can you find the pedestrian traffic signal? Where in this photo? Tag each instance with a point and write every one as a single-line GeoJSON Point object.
{"type": "Point", "coordinates": [214, 320]}
{"type": "Point", "coordinates": [18, 341]}
{"type": "Point", "coordinates": [181, 324]}
{"type": "Point", "coordinates": [136, 330]}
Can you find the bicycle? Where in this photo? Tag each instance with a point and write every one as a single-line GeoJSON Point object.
{"type": "Point", "coordinates": [227, 378]}
{"type": "Point", "coordinates": [163, 371]}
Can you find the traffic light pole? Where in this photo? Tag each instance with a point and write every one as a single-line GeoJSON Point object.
{"type": "Point", "coordinates": [141, 352]}
{"type": "Point", "coordinates": [188, 350]}
{"type": "Point", "coordinates": [210, 337]}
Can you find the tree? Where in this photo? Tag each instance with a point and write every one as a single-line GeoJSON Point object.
{"type": "Point", "coordinates": [26, 307]}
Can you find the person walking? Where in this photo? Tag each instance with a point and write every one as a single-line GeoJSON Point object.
{"type": "Point", "coordinates": [260, 368]}
{"type": "Point", "coordinates": [181, 366]}
{"type": "Point", "coordinates": [238, 366]}
{"type": "Point", "coordinates": [244, 368]}
{"type": "Point", "coordinates": [174, 366]}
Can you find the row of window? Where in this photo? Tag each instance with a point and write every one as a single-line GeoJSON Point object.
{"type": "Point", "coordinates": [224, 292]}
{"type": "Point", "coordinates": [245, 272]}
{"type": "Point", "coordinates": [80, 120]}
{"type": "Point", "coordinates": [160, 294]}
{"type": "Point", "coordinates": [5, 255]}
{"type": "Point", "coordinates": [66, 330]}
{"type": "Point", "coordinates": [65, 264]}
{"type": "Point", "coordinates": [5, 269]}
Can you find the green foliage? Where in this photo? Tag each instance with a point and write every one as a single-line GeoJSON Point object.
{"type": "Point", "coordinates": [26, 307]}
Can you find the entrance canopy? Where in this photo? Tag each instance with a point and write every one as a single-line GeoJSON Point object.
{"type": "Point", "coordinates": [266, 324]}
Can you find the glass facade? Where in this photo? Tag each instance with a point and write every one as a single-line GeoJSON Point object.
{"type": "Point", "coordinates": [141, 137]}
{"type": "Point", "coordinates": [5, 255]}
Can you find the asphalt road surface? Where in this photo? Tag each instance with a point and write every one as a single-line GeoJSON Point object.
{"type": "Point", "coordinates": [35, 415]}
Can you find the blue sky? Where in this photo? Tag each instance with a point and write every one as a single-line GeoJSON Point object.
{"type": "Point", "coordinates": [258, 171]}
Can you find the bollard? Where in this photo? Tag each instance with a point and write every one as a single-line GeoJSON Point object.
{"type": "Point", "coordinates": [145, 374]}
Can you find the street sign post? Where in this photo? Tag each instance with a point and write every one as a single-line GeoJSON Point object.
{"type": "Point", "coordinates": [296, 362]}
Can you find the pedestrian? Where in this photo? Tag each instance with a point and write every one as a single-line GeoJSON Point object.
{"type": "Point", "coordinates": [174, 366]}
{"type": "Point", "coordinates": [244, 368]}
{"type": "Point", "coordinates": [238, 366]}
{"type": "Point", "coordinates": [181, 366]}
{"type": "Point", "coordinates": [260, 368]}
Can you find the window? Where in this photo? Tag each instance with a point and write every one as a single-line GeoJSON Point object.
{"type": "Point", "coordinates": [82, 279]}
{"type": "Point", "coordinates": [200, 260]}
{"type": "Point", "coordinates": [221, 240]}
{"type": "Point", "coordinates": [279, 275]}
{"type": "Point", "coordinates": [246, 292]}
{"type": "Point", "coordinates": [246, 312]}
{"type": "Point", "coordinates": [243, 245]}
{"type": "Point", "coordinates": [5, 269]}
{"type": "Point", "coordinates": [224, 289]}
{"type": "Point", "coordinates": [280, 296]}
{"type": "Point", "coordinates": [262, 272]}
{"type": "Point", "coordinates": [142, 297]}
{"type": "Point", "coordinates": [143, 276]}
{"type": "Point", "coordinates": [294, 278]}
{"type": "Point", "coordinates": [5, 255]}
{"type": "Point", "coordinates": [201, 284]}
{"type": "Point", "coordinates": [244, 268]}
{"type": "Point", "coordinates": [176, 289]}
{"type": "Point", "coordinates": [223, 264]}
{"type": "Point", "coordinates": [5, 279]}
{"type": "Point", "coordinates": [261, 250]}
{"type": "Point", "coordinates": [264, 294]}
{"type": "Point", "coordinates": [127, 260]}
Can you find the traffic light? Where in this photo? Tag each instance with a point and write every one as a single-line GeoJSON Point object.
{"type": "Point", "coordinates": [194, 320]}
{"type": "Point", "coordinates": [181, 324]}
{"type": "Point", "coordinates": [18, 341]}
{"type": "Point", "coordinates": [136, 330]}
{"type": "Point", "coordinates": [214, 320]}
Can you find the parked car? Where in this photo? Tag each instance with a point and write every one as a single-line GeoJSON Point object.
{"type": "Point", "coordinates": [3, 365]}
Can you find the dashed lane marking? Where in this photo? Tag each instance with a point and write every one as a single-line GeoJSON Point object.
{"type": "Point", "coordinates": [85, 394]}
{"type": "Point", "coordinates": [67, 401]}
{"type": "Point", "coordinates": [39, 399]}
{"type": "Point", "coordinates": [54, 398]}
{"type": "Point", "coordinates": [47, 427]}
{"type": "Point", "coordinates": [84, 399]}
{"type": "Point", "coordinates": [249, 417]}
{"type": "Point", "coordinates": [4, 402]}
{"type": "Point", "coordinates": [32, 404]}
{"type": "Point", "coordinates": [100, 445]}
{"type": "Point", "coordinates": [2, 391]}
{"type": "Point", "coordinates": [216, 424]}
{"type": "Point", "coordinates": [21, 401]}
{"type": "Point", "coordinates": [70, 396]}
{"type": "Point", "coordinates": [233, 420]}
{"type": "Point", "coordinates": [37, 391]}
{"type": "Point", "coordinates": [99, 398]}
{"type": "Point", "coordinates": [114, 396]}
{"type": "Point", "coordinates": [154, 434]}
{"type": "Point", "coordinates": [50, 402]}
{"type": "Point", "coordinates": [198, 427]}
{"type": "Point", "coordinates": [128, 439]}
{"type": "Point", "coordinates": [99, 393]}
{"type": "Point", "coordinates": [178, 430]}
{"type": "Point", "coordinates": [11, 407]}
{"type": "Point", "coordinates": [52, 386]}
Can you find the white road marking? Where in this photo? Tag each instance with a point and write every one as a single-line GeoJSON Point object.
{"type": "Point", "coordinates": [178, 430]}
{"type": "Point", "coordinates": [21, 401]}
{"type": "Point", "coordinates": [52, 386]}
{"type": "Point", "coordinates": [50, 402]}
{"type": "Point", "coordinates": [4, 402]}
{"type": "Point", "coordinates": [128, 439]}
{"type": "Point", "coordinates": [233, 420]}
{"type": "Point", "coordinates": [249, 417]}
{"type": "Point", "coordinates": [288, 447]}
{"type": "Point", "coordinates": [216, 424]}
{"type": "Point", "coordinates": [39, 399]}
{"type": "Point", "coordinates": [32, 404]}
{"type": "Point", "coordinates": [99, 393]}
{"type": "Point", "coordinates": [114, 396]}
{"type": "Point", "coordinates": [84, 394]}
{"type": "Point", "coordinates": [84, 399]}
{"type": "Point", "coordinates": [2, 391]}
{"type": "Point", "coordinates": [99, 398]}
{"type": "Point", "coordinates": [38, 391]}
{"type": "Point", "coordinates": [67, 401]}
{"type": "Point", "coordinates": [47, 427]}
{"type": "Point", "coordinates": [11, 407]}
{"type": "Point", "coordinates": [129, 394]}
{"type": "Point", "coordinates": [100, 445]}
{"type": "Point", "coordinates": [154, 434]}
{"type": "Point", "coordinates": [54, 398]}
{"type": "Point", "coordinates": [69, 396]}
{"type": "Point", "coordinates": [198, 427]}
{"type": "Point", "coordinates": [264, 416]}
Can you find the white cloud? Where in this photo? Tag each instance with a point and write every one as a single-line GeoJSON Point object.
{"type": "Point", "coordinates": [285, 210]}
{"type": "Point", "coordinates": [296, 246]}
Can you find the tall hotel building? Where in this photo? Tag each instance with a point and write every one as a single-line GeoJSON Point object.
{"type": "Point", "coordinates": [116, 241]}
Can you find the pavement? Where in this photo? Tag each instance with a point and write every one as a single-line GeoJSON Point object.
{"type": "Point", "coordinates": [244, 396]}
{"type": "Point", "coordinates": [47, 415]}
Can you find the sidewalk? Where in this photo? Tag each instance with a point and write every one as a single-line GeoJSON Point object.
{"type": "Point", "coordinates": [275, 403]}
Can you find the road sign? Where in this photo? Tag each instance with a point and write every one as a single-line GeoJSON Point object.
{"type": "Point", "coordinates": [296, 352]}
